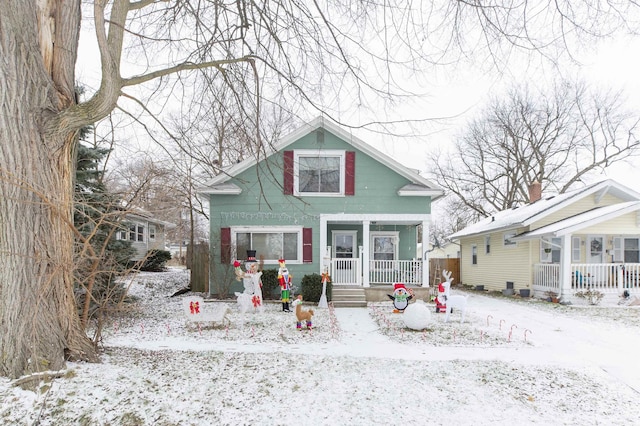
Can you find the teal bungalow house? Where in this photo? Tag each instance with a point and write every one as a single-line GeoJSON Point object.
{"type": "Point", "coordinates": [323, 200]}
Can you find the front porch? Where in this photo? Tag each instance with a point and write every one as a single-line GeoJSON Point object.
{"type": "Point", "coordinates": [611, 279]}
{"type": "Point", "coordinates": [346, 272]}
{"type": "Point", "coordinates": [374, 249]}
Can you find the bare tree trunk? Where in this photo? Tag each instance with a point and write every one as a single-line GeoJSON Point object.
{"type": "Point", "coordinates": [39, 324]}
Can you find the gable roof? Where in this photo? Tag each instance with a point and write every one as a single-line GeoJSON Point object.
{"type": "Point", "coordinates": [581, 221]}
{"type": "Point", "coordinates": [526, 215]}
{"type": "Point", "coordinates": [419, 185]}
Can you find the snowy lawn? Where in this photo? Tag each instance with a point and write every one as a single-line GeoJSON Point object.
{"type": "Point", "coordinates": [509, 362]}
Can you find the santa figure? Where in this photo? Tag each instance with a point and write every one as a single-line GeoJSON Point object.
{"type": "Point", "coordinates": [284, 279]}
{"type": "Point", "coordinates": [441, 299]}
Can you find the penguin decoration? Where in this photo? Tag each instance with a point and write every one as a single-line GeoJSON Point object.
{"type": "Point", "coordinates": [400, 298]}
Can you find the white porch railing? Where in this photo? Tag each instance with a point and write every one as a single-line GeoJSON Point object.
{"type": "Point", "coordinates": [395, 271]}
{"type": "Point", "coordinates": [346, 271]}
{"type": "Point", "coordinates": [604, 277]}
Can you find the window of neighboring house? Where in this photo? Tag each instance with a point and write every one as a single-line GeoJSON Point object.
{"type": "Point", "coordinates": [136, 233]}
{"type": "Point", "coordinates": [550, 250]}
{"type": "Point", "coordinates": [474, 254]}
{"type": "Point", "coordinates": [270, 243]}
{"type": "Point", "coordinates": [487, 245]}
{"type": "Point", "coordinates": [384, 246]}
{"type": "Point", "coordinates": [626, 250]}
{"type": "Point", "coordinates": [122, 235]}
{"type": "Point", "coordinates": [507, 239]}
{"type": "Point", "coordinates": [575, 249]}
{"type": "Point", "coordinates": [152, 232]}
{"type": "Point", "coordinates": [319, 173]}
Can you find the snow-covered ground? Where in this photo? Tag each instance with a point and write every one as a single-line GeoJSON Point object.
{"type": "Point", "coordinates": [510, 362]}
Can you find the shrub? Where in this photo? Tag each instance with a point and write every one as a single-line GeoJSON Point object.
{"type": "Point", "coordinates": [312, 288]}
{"type": "Point", "coordinates": [270, 285]}
{"type": "Point", "coordinates": [156, 261]}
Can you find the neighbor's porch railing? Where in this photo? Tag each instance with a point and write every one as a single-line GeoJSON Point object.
{"type": "Point", "coordinates": [395, 271]}
{"type": "Point", "coordinates": [604, 277]}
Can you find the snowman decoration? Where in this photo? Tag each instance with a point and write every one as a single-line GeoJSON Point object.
{"type": "Point", "coordinates": [400, 297]}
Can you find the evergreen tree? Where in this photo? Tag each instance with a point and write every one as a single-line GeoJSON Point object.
{"type": "Point", "coordinates": [101, 257]}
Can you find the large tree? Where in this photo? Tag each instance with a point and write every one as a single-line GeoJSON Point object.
{"type": "Point", "coordinates": [315, 54]}
{"type": "Point", "coordinates": [558, 138]}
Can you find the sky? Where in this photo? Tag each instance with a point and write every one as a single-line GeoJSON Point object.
{"type": "Point", "coordinates": [458, 95]}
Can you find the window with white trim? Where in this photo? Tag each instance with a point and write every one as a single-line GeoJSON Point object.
{"type": "Point", "coordinates": [626, 250]}
{"type": "Point", "coordinates": [575, 249]}
{"type": "Point", "coordinates": [487, 244]}
{"type": "Point", "coordinates": [550, 250]}
{"type": "Point", "coordinates": [271, 243]}
{"type": "Point", "coordinates": [319, 173]}
{"type": "Point", "coordinates": [474, 254]}
{"type": "Point", "coordinates": [384, 245]}
{"type": "Point", "coordinates": [136, 233]}
{"type": "Point", "coordinates": [152, 232]}
{"type": "Point", "coordinates": [506, 239]}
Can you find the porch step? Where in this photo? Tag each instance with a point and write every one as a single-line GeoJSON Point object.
{"type": "Point", "coordinates": [348, 297]}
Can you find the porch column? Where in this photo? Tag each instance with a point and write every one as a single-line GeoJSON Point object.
{"type": "Point", "coordinates": [565, 267]}
{"type": "Point", "coordinates": [425, 253]}
{"type": "Point", "coordinates": [365, 253]}
{"type": "Point", "coordinates": [323, 243]}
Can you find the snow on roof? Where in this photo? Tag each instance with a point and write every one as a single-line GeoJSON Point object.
{"type": "Point", "coordinates": [525, 215]}
{"type": "Point", "coordinates": [429, 187]}
{"type": "Point", "coordinates": [581, 220]}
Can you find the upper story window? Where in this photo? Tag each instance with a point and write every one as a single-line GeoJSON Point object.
{"type": "Point", "coordinates": [319, 173]}
{"type": "Point", "coordinates": [507, 239]}
{"type": "Point", "coordinates": [487, 244]}
{"type": "Point", "coordinates": [474, 254]}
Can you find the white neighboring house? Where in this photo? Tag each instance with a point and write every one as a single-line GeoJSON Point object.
{"type": "Point", "coordinates": [587, 239]}
{"type": "Point", "coordinates": [145, 232]}
{"type": "Point", "coordinates": [448, 250]}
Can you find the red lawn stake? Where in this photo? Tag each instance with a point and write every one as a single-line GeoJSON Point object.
{"type": "Point", "coordinates": [489, 316]}
{"type": "Point", "coordinates": [481, 335]}
{"type": "Point", "coordinates": [142, 328]}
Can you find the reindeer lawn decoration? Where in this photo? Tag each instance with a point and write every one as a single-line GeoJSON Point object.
{"type": "Point", "coordinates": [458, 302]}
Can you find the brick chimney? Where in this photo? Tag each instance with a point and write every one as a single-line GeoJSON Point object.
{"type": "Point", "coordinates": [535, 191]}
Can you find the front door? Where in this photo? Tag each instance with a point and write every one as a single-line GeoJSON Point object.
{"type": "Point", "coordinates": [345, 258]}
{"type": "Point", "coordinates": [595, 256]}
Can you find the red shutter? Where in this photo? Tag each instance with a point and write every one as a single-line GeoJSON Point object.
{"type": "Point", "coordinates": [225, 245]}
{"type": "Point", "coordinates": [287, 183]}
{"type": "Point", "coordinates": [307, 245]}
{"type": "Point", "coordinates": [350, 173]}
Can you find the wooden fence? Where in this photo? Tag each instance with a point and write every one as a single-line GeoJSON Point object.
{"type": "Point", "coordinates": [437, 265]}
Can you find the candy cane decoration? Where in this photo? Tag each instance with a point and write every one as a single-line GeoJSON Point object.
{"type": "Point", "coordinates": [481, 335]}
{"type": "Point", "coordinates": [489, 316]}
{"type": "Point", "coordinates": [142, 328]}
{"type": "Point", "coordinates": [511, 332]}
{"type": "Point", "coordinates": [525, 334]}
{"type": "Point", "coordinates": [501, 321]}
{"type": "Point", "coordinates": [168, 329]}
